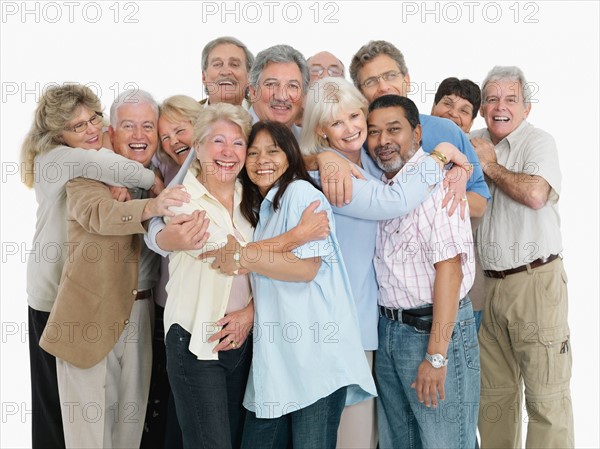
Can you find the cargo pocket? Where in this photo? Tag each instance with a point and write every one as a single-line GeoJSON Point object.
{"type": "Point", "coordinates": [555, 351]}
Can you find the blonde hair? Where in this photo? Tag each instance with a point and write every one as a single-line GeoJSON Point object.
{"type": "Point", "coordinates": [326, 98]}
{"type": "Point", "coordinates": [175, 109]}
{"type": "Point", "coordinates": [56, 108]}
{"type": "Point", "coordinates": [212, 114]}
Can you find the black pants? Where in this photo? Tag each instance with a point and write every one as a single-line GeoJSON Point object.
{"type": "Point", "coordinates": [161, 429]}
{"type": "Point", "coordinates": [46, 421]}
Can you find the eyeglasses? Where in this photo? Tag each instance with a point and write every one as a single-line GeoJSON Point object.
{"type": "Point", "coordinates": [387, 76]}
{"type": "Point", "coordinates": [80, 127]}
{"type": "Point", "coordinates": [332, 70]}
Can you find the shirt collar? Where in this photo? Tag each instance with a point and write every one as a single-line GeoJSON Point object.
{"type": "Point", "coordinates": [516, 136]}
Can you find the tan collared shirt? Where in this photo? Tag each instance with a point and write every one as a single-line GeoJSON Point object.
{"type": "Point", "coordinates": [512, 234]}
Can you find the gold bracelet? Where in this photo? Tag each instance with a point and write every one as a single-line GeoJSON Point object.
{"type": "Point", "coordinates": [441, 156]}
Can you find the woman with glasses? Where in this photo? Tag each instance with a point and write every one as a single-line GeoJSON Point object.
{"type": "Point", "coordinates": [64, 142]}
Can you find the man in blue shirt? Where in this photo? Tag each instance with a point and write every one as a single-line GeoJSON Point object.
{"type": "Point", "coordinates": [378, 68]}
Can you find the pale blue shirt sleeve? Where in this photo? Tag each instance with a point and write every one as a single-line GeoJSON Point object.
{"type": "Point", "coordinates": [374, 200]}
{"type": "Point", "coordinates": [156, 223]}
{"type": "Point", "coordinates": [298, 195]}
{"type": "Point", "coordinates": [437, 130]}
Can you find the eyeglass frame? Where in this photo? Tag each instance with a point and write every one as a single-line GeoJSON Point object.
{"type": "Point", "coordinates": [85, 123]}
{"type": "Point", "coordinates": [329, 68]}
{"type": "Point", "coordinates": [385, 76]}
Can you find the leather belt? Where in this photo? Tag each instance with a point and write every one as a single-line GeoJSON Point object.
{"type": "Point", "coordinates": [143, 294]}
{"type": "Point", "coordinates": [536, 263]}
{"type": "Point", "coordinates": [409, 316]}
{"type": "Point", "coordinates": [413, 317]}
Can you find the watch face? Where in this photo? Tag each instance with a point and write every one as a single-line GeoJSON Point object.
{"type": "Point", "coordinates": [437, 360]}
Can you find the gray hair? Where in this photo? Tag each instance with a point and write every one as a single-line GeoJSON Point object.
{"type": "Point", "coordinates": [226, 40]}
{"type": "Point", "coordinates": [512, 73]}
{"type": "Point", "coordinates": [278, 53]}
{"type": "Point", "coordinates": [371, 50]}
{"type": "Point", "coordinates": [331, 96]}
{"type": "Point", "coordinates": [131, 96]}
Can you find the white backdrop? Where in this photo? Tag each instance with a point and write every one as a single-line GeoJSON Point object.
{"type": "Point", "coordinates": [156, 46]}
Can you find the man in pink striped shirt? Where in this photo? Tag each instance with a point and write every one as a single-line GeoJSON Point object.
{"type": "Point", "coordinates": [427, 364]}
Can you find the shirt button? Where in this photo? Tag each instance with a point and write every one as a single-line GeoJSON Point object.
{"type": "Point", "coordinates": [130, 218]}
{"type": "Point", "coordinates": [126, 322]}
{"type": "Point", "coordinates": [134, 292]}
{"type": "Point", "coordinates": [123, 218]}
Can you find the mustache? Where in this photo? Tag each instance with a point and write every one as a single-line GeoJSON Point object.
{"type": "Point", "coordinates": [287, 104]}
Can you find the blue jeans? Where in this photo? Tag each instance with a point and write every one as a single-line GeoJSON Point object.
{"type": "Point", "coordinates": [208, 393]}
{"type": "Point", "coordinates": [402, 420]}
{"type": "Point", "coordinates": [311, 427]}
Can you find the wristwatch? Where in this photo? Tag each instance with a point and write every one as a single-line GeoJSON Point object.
{"type": "Point", "coordinates": [236, 257]}
{"type": "Point", "coordinates": [436, 360]}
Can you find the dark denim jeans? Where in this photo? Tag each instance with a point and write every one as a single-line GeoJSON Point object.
{"type": "Point", "coordinates": [402, 420]}
{"type": "Point", "coordinates": [208, 393]}
{"type": "Point", "coordinates": [311, 427]}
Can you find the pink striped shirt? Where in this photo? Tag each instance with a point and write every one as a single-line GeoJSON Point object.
{"type": "Point", "coordinates": [408, 247]}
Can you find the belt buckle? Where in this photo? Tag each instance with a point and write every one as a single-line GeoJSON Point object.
{"type": "Point", "coordinates": [389, 314]}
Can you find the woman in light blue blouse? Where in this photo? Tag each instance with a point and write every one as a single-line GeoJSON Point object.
{"type": "Point", "coordinates": [335, 119]}
{"type": "Point", "coordinates": [308, 361]}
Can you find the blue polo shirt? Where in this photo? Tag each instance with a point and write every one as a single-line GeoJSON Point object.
{"type": "Point", "coordinates": [306, 340]}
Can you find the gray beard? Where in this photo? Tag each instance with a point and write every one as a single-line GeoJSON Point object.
{"type": "Point", "coordinates": [395, 165]}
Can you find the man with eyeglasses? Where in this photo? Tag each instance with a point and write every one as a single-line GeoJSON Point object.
{"type": "Point", "coordinates": [378, 68]}
{"type": "Point", "coordinates": [324, 64]}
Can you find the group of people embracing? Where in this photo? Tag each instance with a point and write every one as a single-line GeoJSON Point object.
{"type": "Point", "coordinates": [290, 262]}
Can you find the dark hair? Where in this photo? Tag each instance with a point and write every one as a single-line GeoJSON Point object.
{"type": "Point", "coordinates": [411, 111]}
{"type": "Point", "coordinates": [464, 88]}
{"type": "Point", "coordinates": [284, 138]}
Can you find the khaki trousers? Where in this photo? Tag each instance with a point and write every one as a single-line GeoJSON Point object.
{"type": "Point", "coordinates": [524, 338]}
{"type": "Point", "coordinates": [104, 406]}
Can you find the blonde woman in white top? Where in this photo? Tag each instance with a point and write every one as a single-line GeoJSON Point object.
{"type": "Point", "coordinates": [209, 315]}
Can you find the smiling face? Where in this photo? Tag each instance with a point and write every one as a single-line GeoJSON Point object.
{"type": "Point", "coordinates": [455, 108]}
{"type": "Point", "coordinates": [222, 152]}
{"type": "Point", "coordinates": [279, 96]}
{"type": "Point", "coordinates": [135, 135]}
{"type": "Point", "coordinates": [504, 108]}
{"type": "Point", "coordinates": [90, 138]}
{"type": "Point", "coordinates": [265, 162]}
{"type": "Point", "coordinates": [346, 133]}
{"type": "Point", "coordinates": [391, 140]}
{"type": "Point", "coordinates": [226, 76]}
{"type": "Point", "coordinates": [175, 137]}
{"type": "Point", "coordinates": [375, 68]}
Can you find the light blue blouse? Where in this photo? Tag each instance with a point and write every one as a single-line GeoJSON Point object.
{"type": "Point", "coordinates": [306, 338]}
{"type": "Point", "coordinates": [356, 230]}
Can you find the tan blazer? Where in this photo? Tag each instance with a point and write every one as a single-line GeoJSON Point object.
{"type": "Point", "coordinates": [99, 278]}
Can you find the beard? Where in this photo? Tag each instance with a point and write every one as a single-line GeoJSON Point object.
{"type": "Point", "coordinates": [395, 164]}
